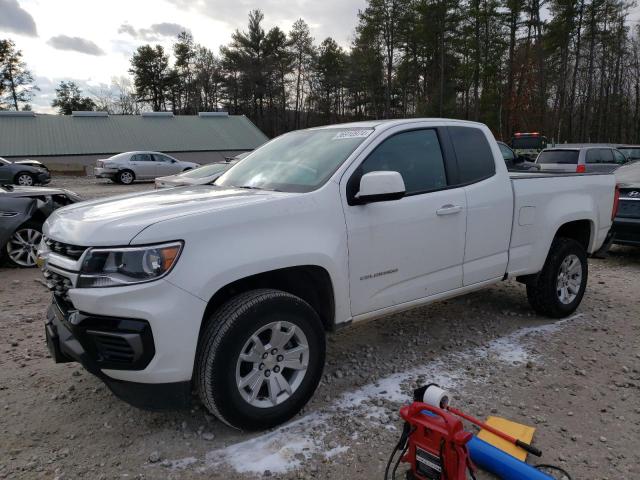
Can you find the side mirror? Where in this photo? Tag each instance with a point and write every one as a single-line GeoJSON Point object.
{"type": "Point", "coordinates": [380, 187]}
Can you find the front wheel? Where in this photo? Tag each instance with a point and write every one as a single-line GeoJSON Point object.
{"type": "Point", "coordinates": [260, 359]}
{"type": "Point", "coordinates": [560, 286]}
{"type": "Point", "coordinates": [21, 249]}
{"type": "Point", "coordinates": [24, 179]}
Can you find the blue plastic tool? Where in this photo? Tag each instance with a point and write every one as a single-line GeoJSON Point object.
{"type": "Point", "coordinates": [501, 464]}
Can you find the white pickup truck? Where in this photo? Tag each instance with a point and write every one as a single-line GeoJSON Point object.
{"type": "Point", "coordinates": [228, 289]}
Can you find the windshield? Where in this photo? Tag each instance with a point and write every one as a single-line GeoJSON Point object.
{"type": "Point", "coordinates": [4, 162]}
{"type": "Point", "coordinates": [632, 153]}
{"type": "Point", "coordinates": [629, 173]}
{"type": "Point", "coordinates": [206, 170]}
{"type": "Point", "coordinates": [299, 161]}
{"type": "Point", "coordinates": [558, 156]}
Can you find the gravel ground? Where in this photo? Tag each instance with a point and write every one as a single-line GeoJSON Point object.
{"type": "Point", "coordinates": [576, 380]}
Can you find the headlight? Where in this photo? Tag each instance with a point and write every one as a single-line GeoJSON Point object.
{"type": "Point", "coordinates": [114, 267]}
{"type": "Point", "coordinates": [109, 165]}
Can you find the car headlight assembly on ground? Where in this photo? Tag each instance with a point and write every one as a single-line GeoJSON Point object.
{"type": "Point", "coordinates": [114, 267]}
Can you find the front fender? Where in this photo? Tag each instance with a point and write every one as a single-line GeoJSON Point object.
{"type": "Point", "coordinates": [23, 207]}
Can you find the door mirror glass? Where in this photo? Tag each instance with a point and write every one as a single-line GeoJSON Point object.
{"type": "Point", "coordinates": [380, 187]}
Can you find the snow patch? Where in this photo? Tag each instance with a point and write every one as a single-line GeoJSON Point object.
{"type": "Point", "coordinates": [277, 451]}
{"type": "Point", "coordinates": [286, 447]}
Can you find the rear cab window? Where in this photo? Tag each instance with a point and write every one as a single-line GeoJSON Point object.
{"type": "Point", "coordinates": [565, 157]}
{"type": "Point", "coordinates": [473, 154]}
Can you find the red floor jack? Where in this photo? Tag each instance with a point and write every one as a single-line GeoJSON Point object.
{"type": "Point", "coordinates": [435, 445]}
{"type": "Point", "coordinates": [433, 442]}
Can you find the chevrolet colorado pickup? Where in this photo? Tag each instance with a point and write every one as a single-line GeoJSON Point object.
{"type": "Point", "coordinates": [229, 289]}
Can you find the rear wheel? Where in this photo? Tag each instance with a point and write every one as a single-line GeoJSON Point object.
{"type": "Point", "coordinates": [560, 286]}
{"type": "Point", "coordinates": [21, 249]}
{"type": "Point", "coordinates": [24, 179]}
{"type": "Point", "coordinates": [260, 359]}
{"type": "Point", "coordinates": [126, 177]}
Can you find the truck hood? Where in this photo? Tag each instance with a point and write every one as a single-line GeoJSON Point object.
{"type": "Point", "coordinates": [117, 220]}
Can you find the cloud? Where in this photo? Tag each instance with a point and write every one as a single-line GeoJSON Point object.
{"type": "Point", "coordinates": [334, 18]}
{"type": "Point", "coordinates": [76, 44]}
{"type": "Point", "coordinates": [156, 32]}
{"type": "Point", "coordinates": [13, 18]}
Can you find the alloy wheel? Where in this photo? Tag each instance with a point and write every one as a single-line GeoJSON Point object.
{"type": "Point", "coordinates": [25, 180]}
{"type": "Point", "coordinates": [126, 178]}
{"type": "Point", "coordinates": [272, 364]}
{"type": "Point", "coordinates": [569, 279]}
{"type": "Point", "coordinates": [22, 247]}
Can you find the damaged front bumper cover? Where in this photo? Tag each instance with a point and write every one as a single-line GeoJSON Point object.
{"type": "Point", "coordinates": [99, 342]}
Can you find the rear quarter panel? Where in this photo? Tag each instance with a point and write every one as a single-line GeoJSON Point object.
{"type": "Point", "coordinates": [543, 204]}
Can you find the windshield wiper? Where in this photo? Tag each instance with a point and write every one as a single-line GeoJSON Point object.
{"type": "Point", "coordinates": [251, 187]}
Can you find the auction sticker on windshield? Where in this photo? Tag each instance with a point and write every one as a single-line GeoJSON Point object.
{"type": "Point", "coordinates": [353, 133]}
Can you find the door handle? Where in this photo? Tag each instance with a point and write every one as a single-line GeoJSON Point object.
{"type": "Point", "coordinates": [449, 209]}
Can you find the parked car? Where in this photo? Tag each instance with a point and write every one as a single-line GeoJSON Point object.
{"type": "Point", "coordinates": [528, 145]}
{"type": "Point", "coordinates": [16, 173]}
{"type": "Point", "coordinates": [128, 167]}
{"type": "Point", "coordinates": [580, 159]}
{"type": "Point", "coordinates": [23, 210]}
{"type": "Point", "coordinates": [32, 163]}
{"type": "Point", "coordinates": [626, 224]}
{"type": "Point", "coordinates": [632, 152]}
{"type": "Point", "coordinates": [513, 161]}
{"type": "Point", "coordinates": [229, 289]}
{"type": "Point", "coordinates": [201, 175]}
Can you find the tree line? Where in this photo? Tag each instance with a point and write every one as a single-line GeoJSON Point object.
{"type": "Point", "coordinates": [568, 68]}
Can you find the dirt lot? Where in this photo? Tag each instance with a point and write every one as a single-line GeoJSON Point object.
{"type": "Point", "coordinates": [577, 381]}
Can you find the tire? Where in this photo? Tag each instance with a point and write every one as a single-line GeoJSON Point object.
{"type": "Point", "coordinates": [126, 177]}
{"type": "Point", "coordinates": [231, 330]}
{"type": "Point", "coordinates": [546, 295]}
{"type": "Point", "coordinates": [20, 249]}
{"type": "Point", "coordinates": [24, 179]}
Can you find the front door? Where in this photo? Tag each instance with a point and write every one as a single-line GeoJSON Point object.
{"type": "Point", "coordinates": [6, 173]}
{"type": "Point", "coordinates": [407, 249]}
{"type": "Point", "coordinates": [165, 165]}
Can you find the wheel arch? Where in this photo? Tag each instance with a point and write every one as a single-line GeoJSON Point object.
{"type": "Point", "coordinates": [582, 231]}
{"type": "Point", "coordinates": [311, 283]}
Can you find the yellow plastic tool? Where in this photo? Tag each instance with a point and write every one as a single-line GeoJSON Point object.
{"type": "Point", "coordinates": [516, 430]}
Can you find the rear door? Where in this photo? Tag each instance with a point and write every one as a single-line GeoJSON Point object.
{"type": "Point", "coordinates": [489, 200]}
{"type": "Point", "coordinates": [411, 248]}
{"type": "Point", "coordinates": [143, 165]}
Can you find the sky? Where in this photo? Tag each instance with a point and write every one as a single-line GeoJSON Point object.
{"type": "Point", "coordinates": [92, 41]}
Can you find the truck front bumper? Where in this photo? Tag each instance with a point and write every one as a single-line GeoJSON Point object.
{"type": "Point", "coordinates": [99, 342]}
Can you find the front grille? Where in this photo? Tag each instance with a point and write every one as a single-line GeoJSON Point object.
{"type": "Point", "coordinates": [58, 284]}
{"type": "Point", "coordinates": [71, 251]}
{"type": "Point", "coordinates": [629, 208]}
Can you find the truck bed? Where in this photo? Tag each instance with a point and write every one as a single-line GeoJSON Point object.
{"type": "Point", "coordinates": [554, 199]}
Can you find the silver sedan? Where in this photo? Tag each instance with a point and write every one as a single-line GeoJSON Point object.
{"type": "Point", "coordinates": [200, 176]}
{"type": "Point", "coordinates": [131, 166]}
